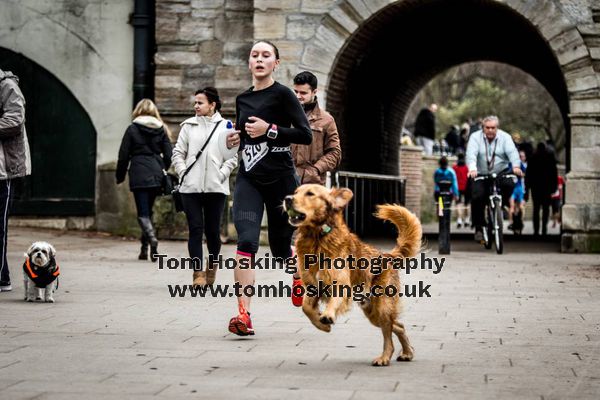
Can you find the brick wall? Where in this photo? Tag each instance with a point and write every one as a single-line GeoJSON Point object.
{"type": "Point", "coordinates": [411, 168]}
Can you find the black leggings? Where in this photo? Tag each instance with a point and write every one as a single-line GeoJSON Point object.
{"type": "Point", "coordinates": [203, 212]}
{"type": "Point", "coordinates": [249, 199]}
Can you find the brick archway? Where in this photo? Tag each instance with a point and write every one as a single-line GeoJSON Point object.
{"type": "Point", "coordinates": [353, 45]}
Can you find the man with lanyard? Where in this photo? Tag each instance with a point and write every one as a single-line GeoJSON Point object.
{"type": "Point", "coordinates": [490, 150]}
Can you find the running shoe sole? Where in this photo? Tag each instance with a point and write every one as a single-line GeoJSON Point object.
{"type": "Point", "coordinates": [239, 328]}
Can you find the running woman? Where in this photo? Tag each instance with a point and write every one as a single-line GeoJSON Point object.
{"type": "Point", "coordinates": [269, 118]}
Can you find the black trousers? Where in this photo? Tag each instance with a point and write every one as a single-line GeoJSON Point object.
{"type": "Point", "coordinates": [203, 212]}
{"type": "Point", "coordinates": [543, 202]}
{"type": "Point", "coordinates": [249, 200]}
{"type": "Point", "coordinates": [5, 192]}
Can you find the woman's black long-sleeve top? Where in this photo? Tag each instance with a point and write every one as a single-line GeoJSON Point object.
{"type": "Point", "coordinates": [262, 157]}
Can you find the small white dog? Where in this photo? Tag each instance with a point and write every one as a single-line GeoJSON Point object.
{"type": "Point", "coordinates": [40, 272]}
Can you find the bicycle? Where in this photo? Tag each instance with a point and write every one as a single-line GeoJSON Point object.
{"type": "Point", "coordinates": [492, 232]}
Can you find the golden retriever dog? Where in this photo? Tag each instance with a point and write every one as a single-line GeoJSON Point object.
{"type": "Point", "coordinates": [317, 212]}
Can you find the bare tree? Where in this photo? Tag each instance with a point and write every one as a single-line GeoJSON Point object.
{"type": "Point", "coordinates": [476, 89]}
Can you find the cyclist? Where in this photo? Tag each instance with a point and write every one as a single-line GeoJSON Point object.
{"type": "Point", "coordinates": [490, 150]}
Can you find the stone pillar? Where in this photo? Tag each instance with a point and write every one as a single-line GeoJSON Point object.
{"type": "Point", "coordinates": [581, 211]}
{"type": "Point", "coordinates": [411, 165]}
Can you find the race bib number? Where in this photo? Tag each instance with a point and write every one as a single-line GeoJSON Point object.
{"type": "Point", "coordinates": [253, 153]}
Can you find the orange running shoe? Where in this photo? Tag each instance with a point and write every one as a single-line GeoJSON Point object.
{"type": "Point", "coordinates": [242, 324]}
{"type": "Point", "coordinates": [297, 292]}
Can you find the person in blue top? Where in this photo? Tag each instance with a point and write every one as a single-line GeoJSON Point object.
{"type": "Point", "coordinates": [517, 199]}
{"type": "Point", "coordinates": [443, 173]}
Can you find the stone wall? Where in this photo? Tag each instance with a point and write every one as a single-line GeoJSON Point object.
{"type": "Point", "coordinates": [206, 42]}
{"type": "Point", "coordinates": [88, 46]}
{"type": "Point", "coordinates": [581, 53]}
{"type": "Point", "coordinates": [116, 212]}
{"type": "Point", "coordinates": [201, 43]}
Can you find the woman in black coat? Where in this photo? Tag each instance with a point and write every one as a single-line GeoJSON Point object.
{"type": "Point", "coordinates": [146, 150]}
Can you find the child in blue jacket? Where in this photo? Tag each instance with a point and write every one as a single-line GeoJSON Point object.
{"type": "Point", "coordinates": [443, 173]}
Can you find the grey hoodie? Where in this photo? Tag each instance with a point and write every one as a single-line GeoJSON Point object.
{"type": "Point", "coordinates": [15, 160]}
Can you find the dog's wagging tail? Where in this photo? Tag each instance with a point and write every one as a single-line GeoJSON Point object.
{"type": "Point", "coordinates": [408, 241]}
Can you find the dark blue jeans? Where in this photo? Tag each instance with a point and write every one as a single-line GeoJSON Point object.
{"type": "Point", "coordinates": [144, 201]}
{"type": "Point", "coordinates": [5, 189]}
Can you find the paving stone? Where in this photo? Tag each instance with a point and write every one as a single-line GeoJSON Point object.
{"type": "Point", "coordinates": [521, 325]}
{"type": "Point", "coordinates": [256, 393]}
{"type": "Point", "coordinates": [86, 387]}
{"type": "Point", "coordinates": [23, 394]}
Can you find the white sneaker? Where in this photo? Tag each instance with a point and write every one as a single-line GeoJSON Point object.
{"type": "Point", "coordinates": [6, 288]}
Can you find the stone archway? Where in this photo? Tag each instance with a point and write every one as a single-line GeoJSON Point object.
{"type": "Point", "coordinates": [88, 46]}
{"type": "Point", "coordinates": [62, 140]}
{"type": "Point", "coordinates": [369, 95]}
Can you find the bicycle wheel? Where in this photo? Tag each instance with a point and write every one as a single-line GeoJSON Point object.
{"type": "Point", "coordinates": [488, 231]}
{"type": "Point", "coordinates": [498, 237]}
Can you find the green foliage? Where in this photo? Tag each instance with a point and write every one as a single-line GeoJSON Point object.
{"type": "Point", "coordinates": [484, 97]}
{"type": "Point", "coordinates": [474, 90]}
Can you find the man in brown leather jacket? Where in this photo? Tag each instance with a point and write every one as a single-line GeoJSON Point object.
{"type": "Point", "coordinates": [324, 154]}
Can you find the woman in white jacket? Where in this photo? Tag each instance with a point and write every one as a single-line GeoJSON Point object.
{"type": "Point", "coordinates": [206, 186]}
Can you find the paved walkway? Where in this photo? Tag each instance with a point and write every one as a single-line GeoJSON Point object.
{"type": "Point", "coordinates": [521, 325]}
{"type": "Point", "coordinates": [433, 228]}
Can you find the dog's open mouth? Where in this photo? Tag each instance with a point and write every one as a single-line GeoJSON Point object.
{"type": "Point", "coordinates": [295, 217]}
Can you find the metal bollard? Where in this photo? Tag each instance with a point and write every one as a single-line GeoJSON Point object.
{"type": "Point", "coordinates": [444, 217]}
